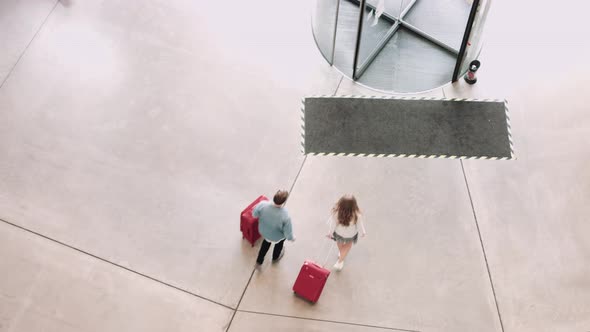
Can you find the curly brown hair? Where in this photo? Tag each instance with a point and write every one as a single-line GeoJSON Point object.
{"type": "Point", "coordinates": [346, 210]}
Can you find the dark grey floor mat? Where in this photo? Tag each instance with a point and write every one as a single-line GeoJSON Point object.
{"type": "Point", "coordinates": [406, 127]}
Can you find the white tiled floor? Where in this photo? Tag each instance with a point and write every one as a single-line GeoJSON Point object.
{"type": "Point", "coordinates": [136, 131]}
{"type": "Point", "coordinates": [19, 21]}
{"type": "Point", "coordinates": [420, 266]}
{"type": "Point", "coordinates": [45, 286]}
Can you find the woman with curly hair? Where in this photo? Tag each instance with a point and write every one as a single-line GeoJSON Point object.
{"type": "Point", "coordinates": [345, 225]}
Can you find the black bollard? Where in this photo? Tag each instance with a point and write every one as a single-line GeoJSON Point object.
{"type": "Point", "coordinates": [470, 76]}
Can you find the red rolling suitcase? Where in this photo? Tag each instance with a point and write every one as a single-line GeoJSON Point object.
{"type": "Point", "coordinates": [310, 281]}
{"type": "Point", "coordinates": [249, 224]}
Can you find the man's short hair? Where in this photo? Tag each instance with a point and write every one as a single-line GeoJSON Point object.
{"type": "Point", "coordinates": [280, 197]}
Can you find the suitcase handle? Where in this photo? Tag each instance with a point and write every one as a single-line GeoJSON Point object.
{"type": "Point", "coordinates": [329, 251]}
{"type": "Point", "coordinates": [256, 201]}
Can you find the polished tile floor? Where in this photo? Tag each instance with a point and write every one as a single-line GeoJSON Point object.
{"type": "Point", "coordinates": [132, 134]}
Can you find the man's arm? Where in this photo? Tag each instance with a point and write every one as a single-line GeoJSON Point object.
{"type": "Point", "coordinates": [288, 230]}
{"type": "Point", "coordinates": [257, 209]}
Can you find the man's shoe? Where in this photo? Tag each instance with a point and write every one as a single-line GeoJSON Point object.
{"type": "Point", "coordinates": [280, 256]}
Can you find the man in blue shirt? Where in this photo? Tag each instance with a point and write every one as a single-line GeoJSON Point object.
{"type": "Point", "coordinates": [274, 224]}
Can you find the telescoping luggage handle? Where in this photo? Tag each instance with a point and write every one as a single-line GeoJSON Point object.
{"type": "Point", "coordinates": [323, 245]}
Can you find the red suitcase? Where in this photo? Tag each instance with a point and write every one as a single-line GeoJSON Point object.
{"type": "Point", "coordinates": [249, 224]}
{"type": "Point", "coordinates": [310, 281]}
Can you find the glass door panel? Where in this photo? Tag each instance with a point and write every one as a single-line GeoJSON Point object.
{"type": "Point", "coordinates": [324, 22]}
{"type": "Point", "coordinates": [442, 20]}
{"type": "Point", "coordinates": [379, 23]}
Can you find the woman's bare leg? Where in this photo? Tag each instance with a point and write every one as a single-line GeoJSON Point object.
{"type": "Point", "coordinates": [340, 249]}
{"type": "Point", "coordinates": [344, 250]}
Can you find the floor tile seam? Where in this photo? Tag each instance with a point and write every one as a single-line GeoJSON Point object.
{"type": "Point", "coordinates": [28, 44]}
{"type": "Point", "coordinates": [296, 178]}
{"type": "Point", "coordinates": [240, 301]}
{"type": "Point", "coordinates": [290, 193]}
{"type": "Point", "coordinates": [328, 321]}
{"type": "Point", "coordinates": [116, 265]}
{"type": "Point", "coordinates": [485, 257]}
{"type": "Point", "coordinates": [254, 269]}
{"type": "Point", "coordinates": [338, 86]}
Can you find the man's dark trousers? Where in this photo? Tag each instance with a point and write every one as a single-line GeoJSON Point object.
{"type": "Point", "coordinates": [276, 252]}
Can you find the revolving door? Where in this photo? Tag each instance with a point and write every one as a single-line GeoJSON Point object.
{"type": "Point", "coordinates": [400, 45]}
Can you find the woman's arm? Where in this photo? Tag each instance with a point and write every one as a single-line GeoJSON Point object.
{"type": "Point", "coordinates": [332, 224]}
{"type": "Point", "coordinates": [362, 226]}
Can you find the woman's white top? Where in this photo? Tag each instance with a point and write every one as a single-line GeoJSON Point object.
{"type": "Point", "coordinates": [346, 231]}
